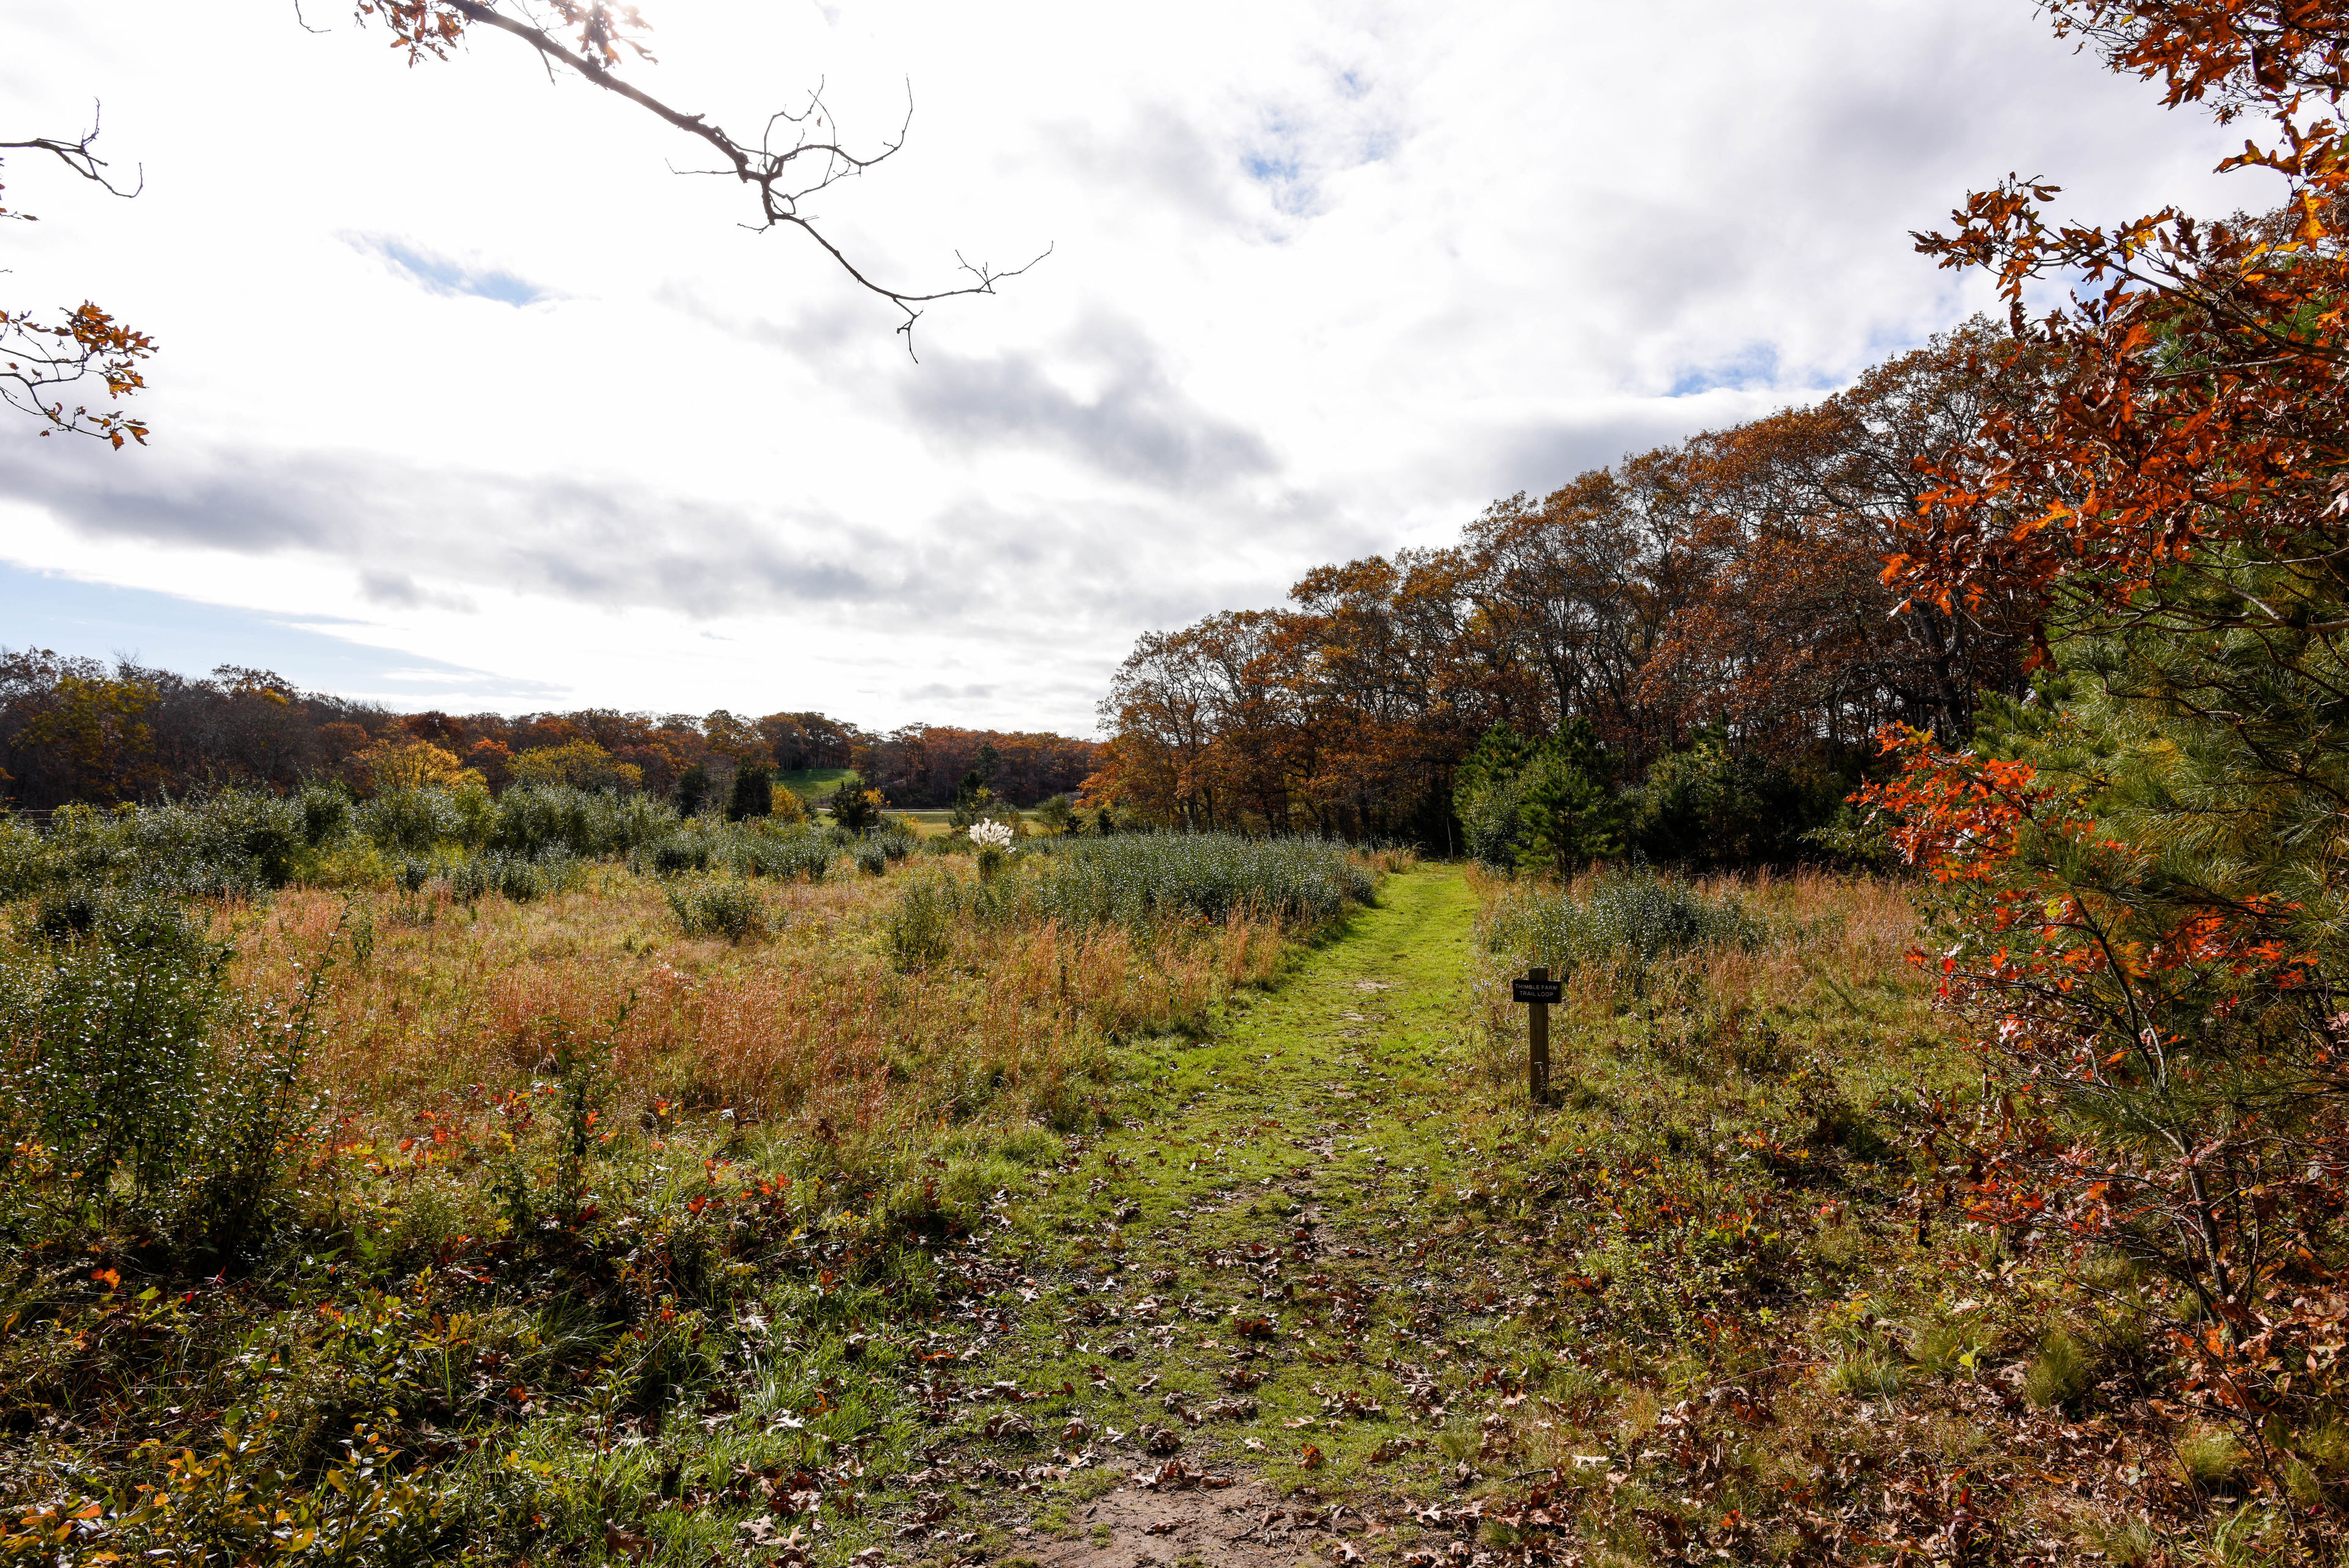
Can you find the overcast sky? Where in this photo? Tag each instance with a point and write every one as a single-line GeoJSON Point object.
{"type": "Point", "coordinates": [465, 400]}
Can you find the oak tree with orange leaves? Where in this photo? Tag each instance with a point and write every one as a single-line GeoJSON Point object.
{"type": "Point", "coordinates": [2143, 909]}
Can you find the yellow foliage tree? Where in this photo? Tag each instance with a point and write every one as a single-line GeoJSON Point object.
{"type": "Point", "coordinates": [395, 764]}
{"type": "Point", "coordinates": [580, 763]}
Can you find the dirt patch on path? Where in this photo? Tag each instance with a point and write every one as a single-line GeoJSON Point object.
{"type": "Point", "coordinates": [1246, 1526]}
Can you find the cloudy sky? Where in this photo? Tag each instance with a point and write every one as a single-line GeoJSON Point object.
{"type": "Point", "coordinates": [466, 399]}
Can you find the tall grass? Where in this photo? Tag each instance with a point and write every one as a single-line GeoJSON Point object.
{"type": "Point", "coordinates": [1135, 881]}
{"type": "Point", "coordinates": [1705, 973]}
{"type": "Point", "coordinates": [1626, 920]}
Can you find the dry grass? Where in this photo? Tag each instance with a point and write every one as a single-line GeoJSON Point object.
{"type": "Point", "coordinates": [1722, 1005]}
{"type": "Point", "coordinates": [811, 1032]}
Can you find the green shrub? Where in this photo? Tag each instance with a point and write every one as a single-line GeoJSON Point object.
{"type": "Point", "coordinates": [325, 813]}
{"type": "Point", "coordinates": [235, 841]}
{"type": "Point", "coordinates": [519, 877]}
{"type": "Point", "coordinates": [717, 907]}
{"type": "Point", "coordinates": [233, 1179]}
{"type": "Point", "coordinates": [752, 793]}
{"type": "Point", "coordinates": [679, 853]}
{"type": "Point", "coordinates": [539, 819]}
{"type": "Point", "coordinates": [781, 850]}
{"type": "Point", "coordinates": [27, 862]}
{"type": "Point", "coordinates": [871, 857]}
{"type": "Point", "coordinates": [921, 923]}
{"type": "Point", "coordinates": [413, 820]}
{"type": "Point", "coordinates": [1134, 877]}
{"type": "Point", "coordinates": [853, 806]}
{"type": "Point", "coordinates": [104, 1018]}
{"type": "Point", "coordinates": [1707, 805]}
{"type": "Point", "coordinates": [1626, 919]}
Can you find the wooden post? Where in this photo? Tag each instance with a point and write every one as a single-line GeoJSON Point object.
{"type": "Point", "coordinates": [1537, 1043]}
{"type": "Point", "coordinates": [1538, 990]}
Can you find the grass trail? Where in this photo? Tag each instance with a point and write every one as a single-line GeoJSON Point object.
{"type": "Point", "coordinates": [1242, 1281]}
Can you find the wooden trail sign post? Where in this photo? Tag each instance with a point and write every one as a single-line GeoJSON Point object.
{"type": "Point", "coordinates": [1536, 992]}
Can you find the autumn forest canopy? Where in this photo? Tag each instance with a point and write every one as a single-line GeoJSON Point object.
{"type": "Point", "coordinates": [75, 730]}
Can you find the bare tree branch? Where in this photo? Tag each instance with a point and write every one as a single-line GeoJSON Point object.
{"type": "Point", "coordinates": [784, 175]}
{"type": "Point", "coordinates": [38, 357]}
{"type": "Point", "coordinates": [76, 156]}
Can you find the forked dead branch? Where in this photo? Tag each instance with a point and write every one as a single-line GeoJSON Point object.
{"type": "Point", "coordinates": [784, 177]}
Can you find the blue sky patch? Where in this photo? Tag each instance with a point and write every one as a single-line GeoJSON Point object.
{"type": "Point", "coordinates": [164, 631]}
{"type": "Point", "coordinates": [442, 276]}
{"type": "Point", "coordinates": [1755, 365]}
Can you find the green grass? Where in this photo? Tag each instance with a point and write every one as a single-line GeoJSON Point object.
{"type": "Point", "coordinates": [810, 782]}
{"type": "Point", "coordinates": [1690, 1314]}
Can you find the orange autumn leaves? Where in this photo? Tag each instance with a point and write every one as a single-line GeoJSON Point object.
{"type": "Point", "coordinates": [1732, 580]}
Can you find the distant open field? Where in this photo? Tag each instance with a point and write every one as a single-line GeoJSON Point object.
{"type": "Point", "coordinates": [811, 782]}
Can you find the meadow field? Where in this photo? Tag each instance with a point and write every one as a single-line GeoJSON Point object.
{"type": "Point", "coordinates": [559, 1180]}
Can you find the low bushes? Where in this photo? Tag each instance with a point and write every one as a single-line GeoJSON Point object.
{"type": "Point", "coordinates": [717, 907]}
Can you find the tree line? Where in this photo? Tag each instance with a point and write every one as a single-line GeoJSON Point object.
{"type": "Point", "coordinates": [1720, 599]}
{"type": "Point", "coordinates": [75, 729]}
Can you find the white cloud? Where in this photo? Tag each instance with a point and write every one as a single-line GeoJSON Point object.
{"type": "Point", "coordinates": [1325, 278]}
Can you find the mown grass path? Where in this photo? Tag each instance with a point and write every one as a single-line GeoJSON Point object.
{"type": "Point", "coordinates": [1244, 1281]}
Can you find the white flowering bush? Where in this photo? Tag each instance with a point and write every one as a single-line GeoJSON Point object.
{"type": "Point", "coordinates": [993, 840]}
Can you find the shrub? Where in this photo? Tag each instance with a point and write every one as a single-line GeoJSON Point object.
{"type": "Point", "coordinates": [104, 1022]}
{"type": "Point", "coordinates": [921, 923]}
{"type": "Point", "coordinates": [254, 1108]}
{"type": "Point", "coordinates": [753, 791]}
{"type": "Point", "coordinates": [1628, 920]}
{"type": "Point", "coordinates": [519, 877]}
{"type": "Point", "coordinates": [1707, 805]}
{"type": "Point", "coordinates": [1487, 794]}
{"type": "Point", "coordinates": [679, 853]}
{"type": "Point", "coordinates": [26, 861]}
{"type": "Point", "coordinates": [871, 857]}
{"type": "Point", "coordinates": [693, 790]}
{"type": "Point", "coordinates": [325, 813]}
{"type": "Point", "coordinates": [1134, 877]}
{"type": "Point", "coordinates": [853, 806]}
{"type": "Point", "coordinates": [235, 841]}
{"type": "Point", "coordinates": [715, 907]}
{"type": "Point", "coordinates": [411, 820]}
{"type": "Point", "coordinates": [536, 819]}
{"type": "Point", "coordinates": [1133, 880]}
